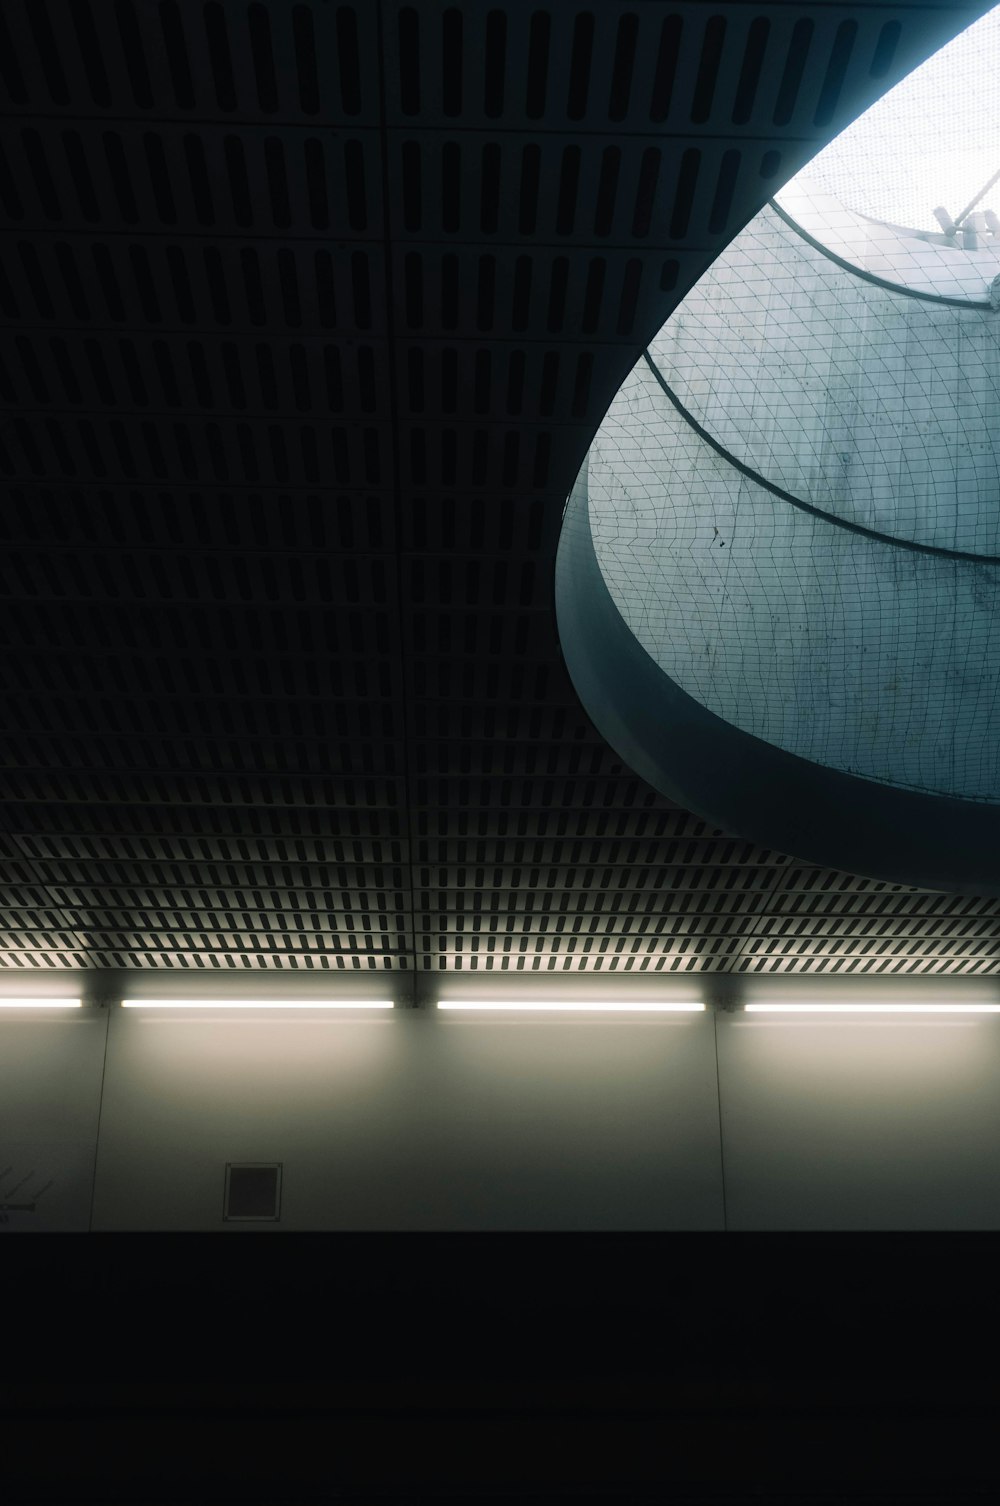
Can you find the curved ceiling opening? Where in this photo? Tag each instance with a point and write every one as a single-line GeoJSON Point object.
{"type": "Point", "coordinates": [778, 585]}
{"type": "Point", "coordinates": [910, 192]}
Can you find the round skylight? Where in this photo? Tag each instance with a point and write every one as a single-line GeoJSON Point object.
{"type": "Point", "coordinates": [931, 143]}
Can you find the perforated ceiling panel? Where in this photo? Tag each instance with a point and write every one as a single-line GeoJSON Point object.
{"type": "Point", "coordinates": [310, 312]}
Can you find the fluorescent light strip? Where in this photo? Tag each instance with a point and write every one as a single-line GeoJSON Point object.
{"type": "Point", "coordinates": [257, 1004]}
{"type": "Point", "coordinates": [872, 1008]}
{"type": "Point", "coordinates": [573, 1006]}
{"type": "Point", "coordinates": [40, 1003]}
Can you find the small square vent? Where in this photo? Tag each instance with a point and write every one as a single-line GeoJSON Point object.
{"type": "Point", "coordinates": [253, 1190]}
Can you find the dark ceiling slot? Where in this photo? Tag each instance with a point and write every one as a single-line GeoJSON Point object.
{"type": "Point", "coordinates": [159, 178]}
{"type": "Point", "coordinates": [9, 198]}
{"type": "Point", "coordinates": [515, 382]}
{"type": "Point", "coordinates": [300, 378]}
{"type": "Point", "coordinates": [451, 62]}
{"type": "Point", "coordinates": [349, 59]}
{"type": "Point", "coordinates": [277, 182]}
{"type": "Point", "coordinates": [521, 301]}
{"type": "Point", "coordinates": [481, 457]}
{"type": "Point", "coordinates": [90, 52]}
{"type": "Point", "coordinates": [194, 157]}
{"type": "Point", "coordinates": [593, 294]}
{"type": "Point", "coordinates": [409, 61]}
{"type": "Point", "coordinates": [769, 164]}
{"type": "Point", "coordinates": [449, 380]}
{"type": "Point", "coordinates": [310, 454]}
{"type": "Point", "coordinates": [326, 292]}
{"type": "Point", "coordinates": [218, 289]}
{"type": "Point", "coordinates": [91, 448]}
{"type": "Point", "coordinates": [108, 278]}
{"type": "Point", "coordinates": [164, 371]}
{"type": "Point", "coordinates": [354, 165]}
{"type": "Point", "coordinates": [489, 189]}
{"type": "Point", "coordinates": [333, 378]}
{"type": "Point", "coordinates": [362, 290]}
{"type": "Point", "coordinates": [123, 449]}
{"type": "Point", "coordinates": [10, 68]}
{"type": "Point", "coordinates": [495, 63]}
{"type": "Point", "coordinates": [791, 78]}
{"type": "Point", "coordinates": [885, 49]}
{"type": "Point", "coordinates": [415, 379]}
{"type": "Point", "coordinates": [485, 294]}
{"type": "Point", "coordinates": [319, 209]}
{"type": "Point", "coordinates": [41, 177]}
{"type": "Point", "coordinates": [145, 285]}
{"type": "Point", "coordinates": [176, 50]}
{"type": "Point", "coordinates": [550, 378]}
{"type": "Point", "coordinates": [305, 58]}
{"type": "Point", "coordinates": [629, 296]}
{"type": "Point", "coordinates": [579, 67]}
{"type": "Point", "coordinates": [366, 379]}
{"type": "Point", "coordinates": [8, 302]}
{"type": "Point", "coordinates": [199, 373]}
{"type": "Point", "coordinates": [581, 387]}
{"type": "Point", "coordinates": [482, 383]}
{"type": "Point", "coordinates": [708, 69]}
{"type": "Point", "coordinates": [449, 291]}
{"type": "Point", "coordinates": [412, 185]}
{"type": "Point", "coordinates": [133, 375]}
{"type": "Point", "coordinates": [557, 294]}
{"type": "Point", "coordinates": [621, 70]}
{"type": "Point", "coordinates": [239, 185]}
{"type": "Point", "coordinates": [252, 288]}
{"type": "Point", "coordinates": [666, 68]}
{"type": "Point", "coordinates": [32, 370]}
{"type": "Point", "coordinates": [607, 190]}
{"type": "Point", "coordinates": [414, 290]}
{"type": "Point", "coordinates": [687, 182]}
{"type": "Point", "coordinates": [262, 53]}
{"type": "Point", "coordinates": [279, 453]}
{"type": "Point", "coordinates": [120, 180]}
{"type": "Point", "coordinates": [645, 197]}
{"type": "Point", "coordinates": [753, 60]}
{"type": "Point", "coordinates": [722, 202]}
{"type": "Point", "coordinates": [451, 192]}
{"type": "Point", "coordinates": [836, 71]}
{"type": "Point", "coordinates": [449, 456]}
{"type": "Point", "coordinates": [219, 56]}
{"type": "Point", "coordinates": [531, 157]}
{"type": "Point", "coordinates": [48, 55]}
{"type": "Point", "coordinates": [99, 372]}
{"type": "Point", "coordinates": [67, 372]}
{"type": "Point", "coordinates": [538, 64]}
{"type": "Point", "coordinates": [233, 371]}
{"type": "Point", "coordinates": [569, 177]}
{"type": "Point", "coordinates": [669, 273]}
{"type": "Point", "coordinates": [135, 57]}
{"type": "Point", "coordinates": [418, 457]}
{"type": "Point", "coordinates": [28, 446]}
{"type": "Point", "coordinates": [540, 470]}
{"type": "Point", "coordinates": [154, 450]}
{"type": "Point", "coordinates": [288, 278]}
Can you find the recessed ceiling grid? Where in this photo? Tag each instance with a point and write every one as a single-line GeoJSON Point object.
{"type": "Point", "coordinates": [310, 314]}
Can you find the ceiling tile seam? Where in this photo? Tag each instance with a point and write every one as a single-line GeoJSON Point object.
{"type": "Point", "coordinates": [405, 638]}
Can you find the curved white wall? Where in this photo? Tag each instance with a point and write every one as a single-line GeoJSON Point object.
{"type": "Point", "coordinates": [858, 655]}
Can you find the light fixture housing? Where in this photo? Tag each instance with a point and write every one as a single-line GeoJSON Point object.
{"type": "Point", "coordinates": [575, 1006]}
{"type": "Point", "coordinates": [868, 1007]}
{"type": "Point", "coordinates": [41, 1003]}
{"type": "Point", "coordinates": [257, 1004]}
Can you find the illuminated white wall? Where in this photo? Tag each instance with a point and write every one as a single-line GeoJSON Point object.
{"type": "Point", "coordinates": [418, 1119]}
{"type": "Point", "coordinates": [51, 1067]}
